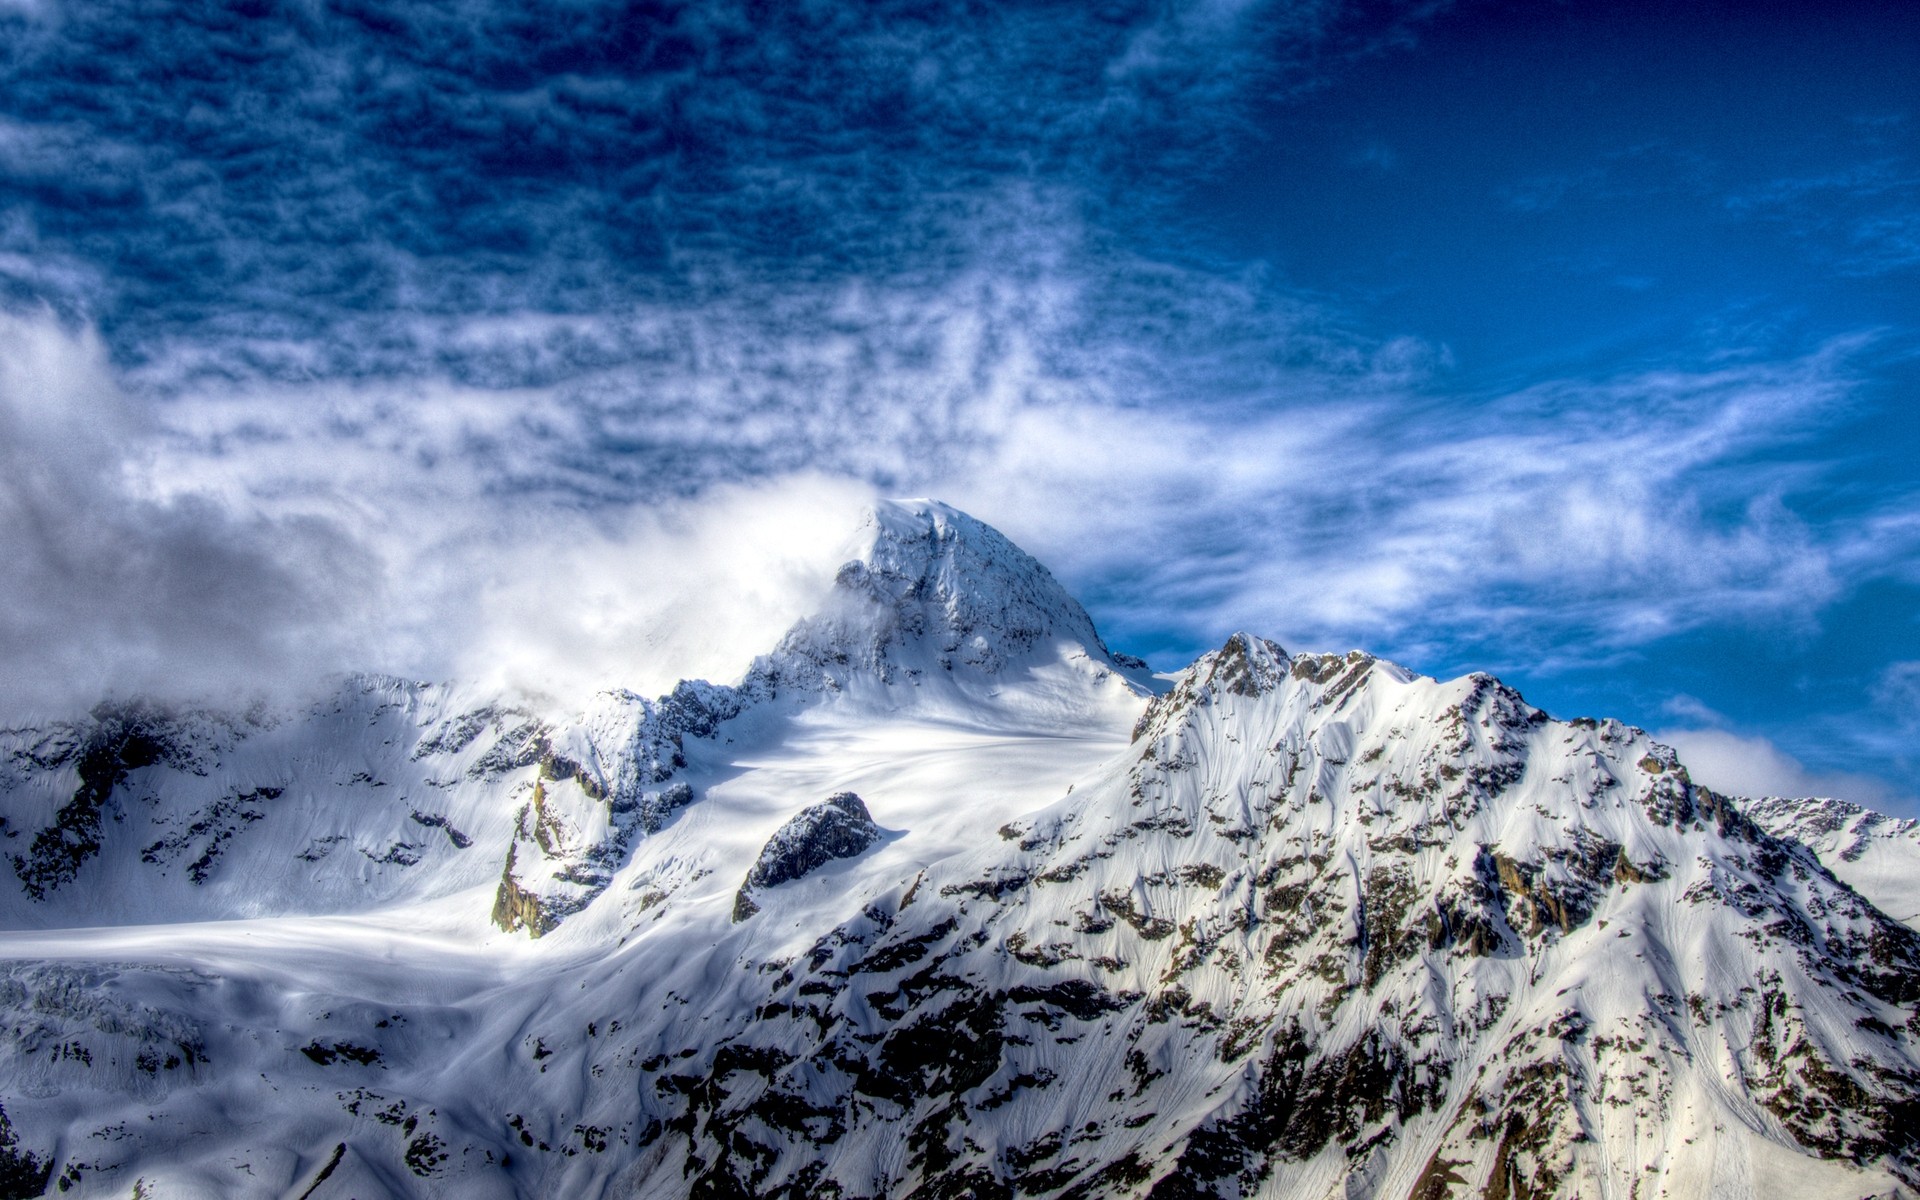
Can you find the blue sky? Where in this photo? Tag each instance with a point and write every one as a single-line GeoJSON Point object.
{"type": "Point", "coordinates": [1575, 342]}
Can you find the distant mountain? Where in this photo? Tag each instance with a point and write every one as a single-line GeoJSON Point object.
{"type": "Point", "coordinates": [943, 898]}
{"type": "Point", "coordinates": [1873, 853]}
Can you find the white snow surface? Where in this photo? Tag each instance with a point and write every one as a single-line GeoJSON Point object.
{"type": "Point", "coordinates": [1294, 927]}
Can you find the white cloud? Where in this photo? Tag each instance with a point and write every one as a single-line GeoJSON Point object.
{"type": "Point", "coordinates": [213, 559]}
{"type": "Point", "coordinates": [691, 589]}
{"type": "Point", "coordinates": [111, 589]}
{"type": "Point", "coordinates": [1897, 690]}
{"type": "Point", "coordinates": [1753, 766]}
{"type": "Point", "coordinates": [1328, 501]}
{"type": "Point", "coordinates": [1568, 521]}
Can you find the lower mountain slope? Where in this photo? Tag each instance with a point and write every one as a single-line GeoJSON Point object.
{"type": "Point", "coordinates": [1323, 928]}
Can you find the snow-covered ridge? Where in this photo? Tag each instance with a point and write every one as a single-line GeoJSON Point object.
{"type": "Point", "coordinates": [1333, 928]}
{"type": "Point", "coordinates": [389, 791]}
{"type": "Point", "coordinates": [1301, 925]}
{"type": "Point", "coordinates": [382, 792]}
{"type": "Point", "coordinates": [1877, 855]}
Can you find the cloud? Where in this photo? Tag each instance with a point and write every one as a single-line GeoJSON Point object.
{"type": "Point", "coordinates": [1570, 520]}
{"type": "Point", "coordinates": [1194, 450]}
{"type": "Point", "coordinates": [1754, 766]}
{"type": "Point", "coordinates": [1864, 221]}
{"type": "Point", "coordinates": [494, 316]}
{"type": "Point", "coordinates": [1898, 688]}
{"type": "Point", "coordinates": [1191, 447]}
{"type": "Point", "coordinates": [261, 195]}
{"type": "Point", "coordinates": [274, 557]}
{"type": "Point", "coordinates": [112, 590]}
{"type": "Point", "coordinates": [687, 589]}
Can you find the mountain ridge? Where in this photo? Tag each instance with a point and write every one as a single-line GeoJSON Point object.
{"type": "Point", "coordinates": [1290, 925]}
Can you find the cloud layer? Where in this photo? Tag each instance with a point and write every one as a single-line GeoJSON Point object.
{"type": "Point", "coordinates": [239, 192]}
{"type": "Point", "coordinates": [1752, 766]}
{"type": "Point", "coordinates": [1333, 503]}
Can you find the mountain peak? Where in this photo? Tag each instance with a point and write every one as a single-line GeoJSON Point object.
{"type": "Point", "coordinates": [931, 590]}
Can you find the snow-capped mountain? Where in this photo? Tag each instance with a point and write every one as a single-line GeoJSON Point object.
{"type": "Point", "coordinates": [943, 899]}
{"type": "Point", "coordinates": [937, 616]}
{"type": "Point", "coordinates": [390, 792]}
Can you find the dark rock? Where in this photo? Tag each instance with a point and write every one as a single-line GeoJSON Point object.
{"type": "Point", "coordinates": [122, 740]}
{"type": "Point", "coordinates": [516, 908]}
{"type": "Point", "coordinates": [839, 828]}
{"type": "Point", "coordinates": [439, 821]}
{"type": "Point", "coordinates": [657, 807]}
{"type": "Point", "coordinates": [327, 1055]}
{"type": "Point", "coordinates": [21, 1173]}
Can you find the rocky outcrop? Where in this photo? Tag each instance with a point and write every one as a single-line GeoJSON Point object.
{"type": "Point", "coordinates": [119, 740]}
{"type": "Point", "coordinates": [22, 1173]}
{"type": "Point", "coordinates": [514, 907]}
{"type": "Point", "coordinates": [597, 787]}
{"type": "Point", "coordinates": [1246, 666]}
{"type": "Point", "coordinates": [839, 828]}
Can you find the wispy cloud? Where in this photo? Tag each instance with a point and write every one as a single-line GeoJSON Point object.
{"type": "Point", "coordinates": [1863, 220]}
{"type": "Point", "coordinates": [1567, 521]}
{"type": "Point", "coordinates": [260, 196]}
{"type": "Point", "coordinates": [1333, 501]}
{"type": "Point", "coordinates": [264, 558]}
{"type": "Point", "coordinates": [1722, 757]}
{"type": "Point", "coordinates": [1898, 689]}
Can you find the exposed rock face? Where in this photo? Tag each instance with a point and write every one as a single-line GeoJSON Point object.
{"type": "Point", "coordinates": [599, 785]}
{"type": "Point", "coordinates": [514, 907]}
{"type": "Point", "coordinates": [22, 1173]}
{"type": "Point", "coordinates": [839, 828]}
{"type": "Point", "coordinates": [116, 741]}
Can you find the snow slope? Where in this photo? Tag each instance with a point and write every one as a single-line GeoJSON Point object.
{"type": "Point", "coordinates": [1875, 854]}
{"type": "Point", "coordinates": [1296, 926]}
